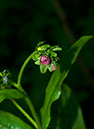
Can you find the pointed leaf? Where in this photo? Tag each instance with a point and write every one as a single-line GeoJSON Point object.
{"type": "Point", "coordinates": [9, 121]}
{"type": "Point", "coordinates": [53, 90]}
{"type": "Point", "coordinates": [11, 93]}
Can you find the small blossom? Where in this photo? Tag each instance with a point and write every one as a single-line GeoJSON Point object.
{"type": "Point", "coordinates": [53, 67]}
{"type": "Point", "coordinates": [5, 79]}
{"type": "Point", "coordinates": [46, 57]}
{"type": "Point", "coordinates": [44, 60]}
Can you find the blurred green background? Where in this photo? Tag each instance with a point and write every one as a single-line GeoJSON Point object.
{"type": "Point", "coordinates": [23, 23]}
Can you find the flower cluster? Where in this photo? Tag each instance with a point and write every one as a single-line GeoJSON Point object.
{"type": "Point", "coordinates": [46, 57]}
{"type": "Point", "coordinates": [4, 79]}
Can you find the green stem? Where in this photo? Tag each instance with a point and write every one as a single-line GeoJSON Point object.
{"type": "Point", "coordinates": [31, 107]}
{"type": "Point", "coordinates": [18, 85]}
{"type": "Point", "coordinates": [25, 114]}
{"type": "Point", "coordinates": [23, 67]}
{"type": "Point", "coordinates": [33, 112]}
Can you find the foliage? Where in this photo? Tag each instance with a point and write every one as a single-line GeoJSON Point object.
{"type": "Point", "coordinates": [53, 89]}
{"type": "Point", "coordinates": [62, 22]}
{"type": "Point", "coordinates": [8, 121]}
{"type": "Point", "coordinates": [70, 113]}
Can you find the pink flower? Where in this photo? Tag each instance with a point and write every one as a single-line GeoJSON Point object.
{"type": "Point", "coordinates": [53, 67]}
{"type": "Point", "coordinates": [44, 60]}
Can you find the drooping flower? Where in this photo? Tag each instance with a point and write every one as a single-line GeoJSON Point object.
{"type": "Point", "coordinates": [53, 67]}
{"type": "Point", "coordinates": [46, 57]}
{"type": "Point", "coordinates": [44, 60]}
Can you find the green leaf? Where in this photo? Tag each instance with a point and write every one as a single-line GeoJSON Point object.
{"type": "Point", "coordinates": [57, 49]}
{"type": "Point", "coordinates": [44, 47]}
{"type": "Point", "coordinates": [70, 112]}
{"type": "Point", "coordinates": [2, 97]}
{"type": "Point", "coordinates": [9, 121]}
{"type": "Point", "coordinates": [43, 68]}
{"type": "Point", "coordinates": [11, 93]}
{"type": "Point", "coordinates": [53, 90]}
{"type": "Point", "coordinates": [52, 93]}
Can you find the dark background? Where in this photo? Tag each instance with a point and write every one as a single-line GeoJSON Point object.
{"type": "Point", "coordinates": [23, 23]}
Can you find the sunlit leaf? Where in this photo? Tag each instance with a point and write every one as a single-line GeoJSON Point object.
{"type": "Point", "coordinates": [53, 90]}
{"type": "Point", "coordinates": [11, 93]}
{"type": "Point", "coordinates": [9, 121]}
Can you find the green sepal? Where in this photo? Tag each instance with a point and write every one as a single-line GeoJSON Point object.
{"type": "Point", "coordinates": [40, 43]}
{"type": "Point", "coordinates": [53, 54]}
{"type": "Point", "coordinates": [54, 47]}
{"type": "Point", "coordinates": [1, 74]}
{"type": "Point", "coordinates": [37, 62]}
{"type": "Point", "coordinates": [45, 47]}
{"type": "Point", "coordinates": [50, 68]}
{"type": "Point", "coordinates": [57, 49]}
{"type": "Point", "coordinates": [36, 56]}
{"type": "Point", "coordinates": [43, 68]}
{"type": "Point", "coordinates": [54, 63]}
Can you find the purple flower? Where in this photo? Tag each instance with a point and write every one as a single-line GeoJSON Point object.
{"type": "Point", "coordinates": [44, 60]}
{"type": "Point", "coordinates": [53, 67]}
{"type": "Point", "coordinates": [5, 79]}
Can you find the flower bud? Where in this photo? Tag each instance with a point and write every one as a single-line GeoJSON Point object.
{"type": "Point", "coordinates": [44, 60]}
{"type": "Point", "coordinates": [53, 67]}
